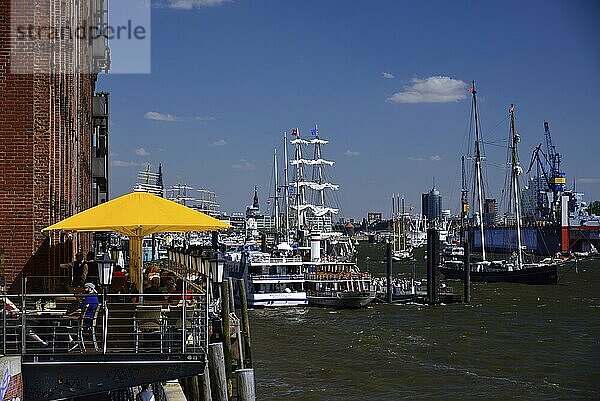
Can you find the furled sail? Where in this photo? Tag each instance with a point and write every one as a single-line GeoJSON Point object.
{"type": "Point", "coordinates": [309, 142]}
{"type": "Point", "coordinates": [318, 211]}
{"type": "Point", "coordinates": [316, 186]}
{"type": "Point", "coordinates": [311, 162]}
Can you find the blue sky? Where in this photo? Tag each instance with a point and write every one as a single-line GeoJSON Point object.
{"type": "Point", "coordinates": [385, 81]}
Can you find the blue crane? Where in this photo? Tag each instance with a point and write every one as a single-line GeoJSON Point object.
{"type": "Point", "coordinates": [556, 178]}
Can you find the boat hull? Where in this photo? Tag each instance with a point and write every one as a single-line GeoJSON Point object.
{"type": "Point", "coordinates": [544, 274]}
{"type": "Point", "coordinates": [342, 300]}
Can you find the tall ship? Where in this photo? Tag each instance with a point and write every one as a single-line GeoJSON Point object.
{"type": "Point", "coordinates": [308, 263]}
{"type": "Point", "coordinates": [332, 277]}
{"type": "Point", "coordinates": [515, 269]}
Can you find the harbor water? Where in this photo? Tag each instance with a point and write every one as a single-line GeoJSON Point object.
{"type": "Point", "coordinates": [512, 342]}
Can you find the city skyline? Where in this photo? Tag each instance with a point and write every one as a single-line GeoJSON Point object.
{"type": "Point", "coordinates": [386, 83]}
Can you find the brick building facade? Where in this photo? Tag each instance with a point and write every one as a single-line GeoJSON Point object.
{"type": "Point", "coordinates": [46, 135]}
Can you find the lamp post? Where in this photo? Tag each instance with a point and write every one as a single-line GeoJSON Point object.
{"type": "Point", "coordinates": [105, 272]}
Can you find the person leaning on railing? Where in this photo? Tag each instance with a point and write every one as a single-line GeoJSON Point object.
{"type": "Point", "coordinates": [78, 270]}
{"type": "Point", "coordinates": [90, 269]}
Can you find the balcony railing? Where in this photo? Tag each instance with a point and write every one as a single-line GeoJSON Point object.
{"type": "Point", "coordinates": [159, 324]}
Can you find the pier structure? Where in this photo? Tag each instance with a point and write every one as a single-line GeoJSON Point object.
{"type": "Point", "coordinates": [130, 339]}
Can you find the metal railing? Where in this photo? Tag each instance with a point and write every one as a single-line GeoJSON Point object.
{"type": "Point", "coordinates": [39, 323]}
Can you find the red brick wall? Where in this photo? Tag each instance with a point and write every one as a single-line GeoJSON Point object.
{"type": "Point", "coordinates": [45, 143]}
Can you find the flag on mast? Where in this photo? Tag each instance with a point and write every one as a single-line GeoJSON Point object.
{"type": "Point", "coordinates": [295, 132]}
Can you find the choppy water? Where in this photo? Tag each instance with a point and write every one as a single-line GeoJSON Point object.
{"type": "Point", "coordinates": [511, 342]}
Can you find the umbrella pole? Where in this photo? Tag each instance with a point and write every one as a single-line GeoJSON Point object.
{"type": "Point", "coordinates": [136, 262]}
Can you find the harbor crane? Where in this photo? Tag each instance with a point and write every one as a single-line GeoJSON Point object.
{"type": "Point", "coordinates": [556, 180]}
{"type": "Point", "coordinates": [548, 167]}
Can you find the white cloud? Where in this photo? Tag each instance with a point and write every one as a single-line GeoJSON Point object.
{"type": "Point", "coordinates": [434, 158]}
{"type": "Point", "coordinates": [387, 75]}
{"type": "Point", "coordinates": [588, 180]}
{"type": "Point", "coordinates": [244, 164]}
{"type": "Point", "coordinates": [437, 89]}
{"type": "Point", "coordinates": [351, 153]}
{"type": "Point", "coordinates": [156, 116]}
{"type": "Point", "coordinates": [160, 149]}
{"type": "Point", "coordinates": [220, 142]}
{"type": "Point", "coordinates": [199, 118]}
{"type": "Point", "coordinates": [122, 163]}
{"type": "Point", "coordinates": [189, 4]}
{"type": "Point", "coordinates": [141, 152]}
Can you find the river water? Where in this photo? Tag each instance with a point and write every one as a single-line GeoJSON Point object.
{"type": "Point", "coordinates": [512, 342]}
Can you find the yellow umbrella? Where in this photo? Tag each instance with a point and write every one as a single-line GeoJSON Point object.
{"type": "Point", "coordinates": [136, 215]}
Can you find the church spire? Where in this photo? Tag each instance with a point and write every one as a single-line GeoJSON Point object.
{"type": "Point", "coordinates": [255, 203]}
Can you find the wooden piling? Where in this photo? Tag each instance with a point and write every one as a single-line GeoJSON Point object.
{"type": "Point", "coordinates": [245, 385]}
{"type": "Point", "coordinates": [204, 385]}
{"type": "Point", "coordinates": [218, 377]}
{"type": "Point", "coordinates": [245, 323]}
{"type": "Point", "coordinates": [389, 272]}
{"type": "Point", "coordinates": [432, 261]}
{"type": "Point", "coordinates": [231, 295]}
{"type": "Point", "coordinates": [194, 392]}
{"type": "Point", "coordinates": [429, 263]}
{"type": "Point", "coordinates": [467, 266]}
{"type": "Point", "coordinates": [226, 334]}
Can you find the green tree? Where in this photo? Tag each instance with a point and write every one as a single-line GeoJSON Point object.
{"type": "Point", "coordinates": [594, 208]}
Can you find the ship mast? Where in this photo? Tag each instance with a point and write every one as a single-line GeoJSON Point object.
{"type": "Point", "coordinates": [276, 197]}
{"type": "Point", "coordinates": [464, 198]}
{"type": "Point", "coordinates": [316, 212]}
{"type": "Point", "coordinates": [516, 172]}
{"type": "Point", "coordinates": [478, 172]}
{"type": "Point", "coordinates": [286, 189]}
{"type": "Point", "coordinates": [299, 177]}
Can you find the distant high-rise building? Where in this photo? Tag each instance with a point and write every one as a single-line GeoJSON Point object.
{"type": "Point", "coordinates": [490, 212]}
{"type": "Point", "coordinates": [534, 199]}
{"type": "Point", "coordinates": [431, 205]}
{"type": "Point", "coordinates": [373, 217]}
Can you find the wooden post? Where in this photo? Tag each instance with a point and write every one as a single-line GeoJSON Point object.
{"type": "Point", "coordinates": [245, 323]}
{"type": "Point", "coordinates": [432, 260]}
{"type": "Point", "coordinates": [204, 385]}
{"type": "Point", "coordinates": [467, 266]}
{"type": "Point", "coordinates": [245, 385]}
{"type": "Point", "coordinates": [231, 295]}
{"type": "Point", "coordinates": [218, 378]}
{"type": "Point", "coordinates": [389, 273]}
{"type": "Point", "coordinates": [226, 334]}
{"type": "Point", "coordinates": [194, 392]}
{"type": "Point", "coordinates": [434, 264]}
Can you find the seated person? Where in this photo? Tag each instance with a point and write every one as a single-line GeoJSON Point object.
{"type": "Point", "coordinates": [154, 286]}
{"type": "Point", "coordinates": [119, 280]}
{"type": "Point", "coordinates": [89, 305]}
{"type": "Point", "coordinates": [119, 272]}
{"type": "Point", "coordinates": [152, 290]}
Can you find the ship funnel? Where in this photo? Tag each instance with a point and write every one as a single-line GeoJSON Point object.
{"type": "Point", "coordinates": [315, 247]}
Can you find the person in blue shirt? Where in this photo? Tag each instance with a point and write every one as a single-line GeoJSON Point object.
{"type": "Point", "coordinates": [89, 303]}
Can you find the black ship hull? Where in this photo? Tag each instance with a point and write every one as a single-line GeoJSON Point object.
{"type": "Point", "coordinates": [341, 300]}
{"type": "Point", "coordinates": [538, 274]}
